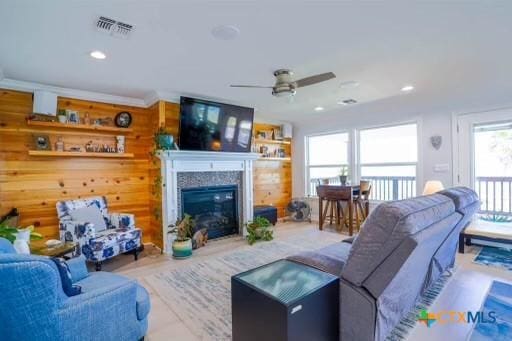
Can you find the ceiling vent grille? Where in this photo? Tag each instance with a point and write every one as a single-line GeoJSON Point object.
{"type": "Point", "coordinates": [114, 28]}
{"type": "Point", "coordinates": [348, 101]}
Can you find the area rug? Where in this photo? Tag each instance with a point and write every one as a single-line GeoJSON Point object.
{"type": "Point", "coordinates": [200, 293]}
{"type": "Point", "coordinates": [496, 257]}
{"type": "Point", "coordinates": [499, 301]}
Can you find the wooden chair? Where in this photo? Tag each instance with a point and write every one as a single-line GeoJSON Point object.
{"type": "Point", "coordinates": [362, 202]}
{"type": "Point", "coordinates": [330, 199]}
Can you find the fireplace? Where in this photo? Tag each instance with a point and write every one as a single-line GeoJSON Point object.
{"type": "Point", "coordinates": [184, 172]}
{"type": "Point", "coordinates": [214, 208]}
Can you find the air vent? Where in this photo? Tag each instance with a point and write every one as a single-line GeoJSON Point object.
{"type": "Point", "coordinates": [347, 101]}
{"type": "Point", "coordinates": [114, 28]}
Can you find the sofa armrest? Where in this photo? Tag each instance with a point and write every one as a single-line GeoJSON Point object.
{"type": "Point", "coordinates": [77, 268]}
{"type": "Point", "coordinates": [358, 313]}
{"type": "Point", "coordinates": [122, 220]}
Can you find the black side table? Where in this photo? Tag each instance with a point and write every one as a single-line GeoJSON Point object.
{"type": "Point", "coordinates": [285, 300]}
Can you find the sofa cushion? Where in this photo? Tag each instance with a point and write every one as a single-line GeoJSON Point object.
{"type": "Point", "coordinates": [387, 226]}
{"type": "Point", "coordinates": [113, 237]}
{"type": "Point", "coordinates": [461, 196]}
{"type": "Point", "coordinates": [329, 259]}
{"type": "Point", "coordinates": [90, 214]}
{"type": "Point", "coordinates": [65, 276]}
{"type": "Point", "coordinates": [103, 279]}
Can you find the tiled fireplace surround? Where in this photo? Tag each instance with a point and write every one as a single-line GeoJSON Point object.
{"type": "Point", "coordinates": [210, 179]}
{"type": "Point", "coordinates": [190, 169]}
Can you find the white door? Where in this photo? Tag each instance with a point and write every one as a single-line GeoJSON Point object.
{"type": "Point", "coordinates": [483, 159]}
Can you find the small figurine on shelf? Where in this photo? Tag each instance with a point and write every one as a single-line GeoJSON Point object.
{"type": "Point", "coordinates": [87, 119]}
{"type": "Point", "coordinates": [89, 147]}
{"type": "Point", "coordinates": [59, 145]}
{"type": "Point", "coordinates": [120, 144]}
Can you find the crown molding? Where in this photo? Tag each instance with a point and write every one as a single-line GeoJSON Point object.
{"type": "Point", "coordinates": [13, 84]}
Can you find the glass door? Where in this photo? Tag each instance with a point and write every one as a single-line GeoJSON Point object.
{"type": "Point", "coordinates": [483, 161]}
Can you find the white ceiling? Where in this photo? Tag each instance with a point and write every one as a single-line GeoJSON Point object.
{"type": "Point", "coordinates": [440, 48]}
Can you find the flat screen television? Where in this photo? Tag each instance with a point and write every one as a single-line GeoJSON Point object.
{"type": "Point", "coordinates": [211, 126]}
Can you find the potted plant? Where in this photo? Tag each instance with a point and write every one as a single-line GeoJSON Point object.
{"type": "Point", "coordinates": [20, 237]}
{"type": "Point", "coordinates": [182, 245]}
{"type": "Point", "coordinates": [61, 116]}
{"type": "Point", "coordinates": [259, 229]}
{"type": "Point", "coordinates": [163, 139]}
{"type": "Point", "coordinates": [343, 175]}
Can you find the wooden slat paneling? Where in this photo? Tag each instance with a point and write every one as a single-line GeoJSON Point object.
{"type": "Point", "coordinates": [273, 179]}
{"type": "Point", "coordinates": [35, 184]}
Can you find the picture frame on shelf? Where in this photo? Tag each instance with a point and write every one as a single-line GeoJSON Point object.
{"type": "Point", "coordinates": [42, 142]}
{"type": "Point", "coordinates": [261, 135]}
{"type": "Point", "coordinates": [73, 116]}
{"type": "Point", "coordinates": [277, 134]}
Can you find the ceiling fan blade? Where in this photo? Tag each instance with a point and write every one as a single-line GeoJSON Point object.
{"type": "Point", "coordinates": [251, 86]}
{"type": "Point", "coordinates": [314, 79]}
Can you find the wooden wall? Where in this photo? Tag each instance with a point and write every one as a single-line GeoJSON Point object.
{"type": "Point", "coordinates": [35, 184]}
{"type": "Point", "coordinates": [273, 179]}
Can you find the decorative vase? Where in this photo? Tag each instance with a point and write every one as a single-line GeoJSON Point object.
{"type": "Point", "coordinates": [22, 241]}
{"type": "Point", "coordinates": [182, 248]}
{"type": "Point", "coordinates": [166, 142]}
{"type": "Point", "coordinates": [343, 180]}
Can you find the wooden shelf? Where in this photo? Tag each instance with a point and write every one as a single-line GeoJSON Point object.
{"type": "Point", "coordinates": [263, 141]}
{"type": "Point", "coordinates": [283, 159]}
{"type": "Point", "coordinates": [78, 154]}
{"type": "Point", "coordinates": [59, 125]}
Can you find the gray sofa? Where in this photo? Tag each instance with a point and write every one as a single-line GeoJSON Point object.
{"type": "Point", "coordinates": [402, 249]}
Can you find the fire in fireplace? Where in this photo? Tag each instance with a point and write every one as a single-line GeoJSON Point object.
{"type": "Point", "coordinates": [214, 208]}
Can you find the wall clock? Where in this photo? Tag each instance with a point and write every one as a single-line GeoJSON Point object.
{"type": "Point", "coordinates": [123, 119]}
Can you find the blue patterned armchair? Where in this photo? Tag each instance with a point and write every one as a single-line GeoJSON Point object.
{"type": "Point", "coordinates": [36, 307]}
{"type": "Point", "coordinates": [119, 236]}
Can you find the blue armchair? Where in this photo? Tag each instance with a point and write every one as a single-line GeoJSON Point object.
{"type": "Point", "coordinates": [118, 236]}
{"type": "Point", "coordinates": [35, 307]}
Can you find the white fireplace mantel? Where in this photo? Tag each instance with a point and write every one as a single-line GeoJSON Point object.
{"type": "Point", "coordinates": [176, 161]}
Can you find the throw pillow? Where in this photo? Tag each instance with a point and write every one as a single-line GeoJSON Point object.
{"type": "Point", "coordinates": [90, 214]}
{"type": "Point", "coordinates": [65, 278]}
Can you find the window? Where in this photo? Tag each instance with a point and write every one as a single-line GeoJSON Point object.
{"type": "Point", "coordinates": [388, 157]}
{"type": "Point", "coordinates": [326, 156]}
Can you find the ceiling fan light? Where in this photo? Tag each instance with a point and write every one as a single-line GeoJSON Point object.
{"type": "Point", "coordinates": [284, 92]}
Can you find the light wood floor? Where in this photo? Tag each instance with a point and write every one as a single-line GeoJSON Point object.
{"type": "Point", "coordinates": [465, 291]}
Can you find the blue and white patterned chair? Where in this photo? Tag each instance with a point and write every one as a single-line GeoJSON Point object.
{"type": "Point", "coordinates": [120, 235]}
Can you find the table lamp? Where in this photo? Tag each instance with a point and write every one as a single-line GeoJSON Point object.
{"type": "Point", "coordinates": [432, 186]}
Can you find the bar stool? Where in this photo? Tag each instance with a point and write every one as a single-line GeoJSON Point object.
{"type": "Point", "coordinates": [362, 202]}
{"type": "Point", "coordinates": [330, 204]}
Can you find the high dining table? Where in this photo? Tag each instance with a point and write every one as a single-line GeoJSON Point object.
{"type": "Point", "coordinates": [338, 194]}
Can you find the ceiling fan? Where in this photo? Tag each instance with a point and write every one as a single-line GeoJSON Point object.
{"type": "Point", "coordinates": [286, 86]}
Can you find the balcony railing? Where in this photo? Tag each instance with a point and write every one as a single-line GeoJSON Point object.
{"type": "Point", "coordinates": [386, 188]}
{"type": "Point", "coordinates": [495, 193]}
{"type": "Point", "coordinates": [383, 187]}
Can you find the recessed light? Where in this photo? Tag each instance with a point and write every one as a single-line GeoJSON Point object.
{"type": "Point", "coordinates": [407, 88]}
{"type": "Point", "coordinates": [225, 32]}
{"type": "Point", "coordinates": [319, 108]}
{"type": "Point", "coordinates": [98, 55]}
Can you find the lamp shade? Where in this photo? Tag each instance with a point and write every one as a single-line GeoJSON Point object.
{"type": "Point", "coordinates": [432, 186]}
